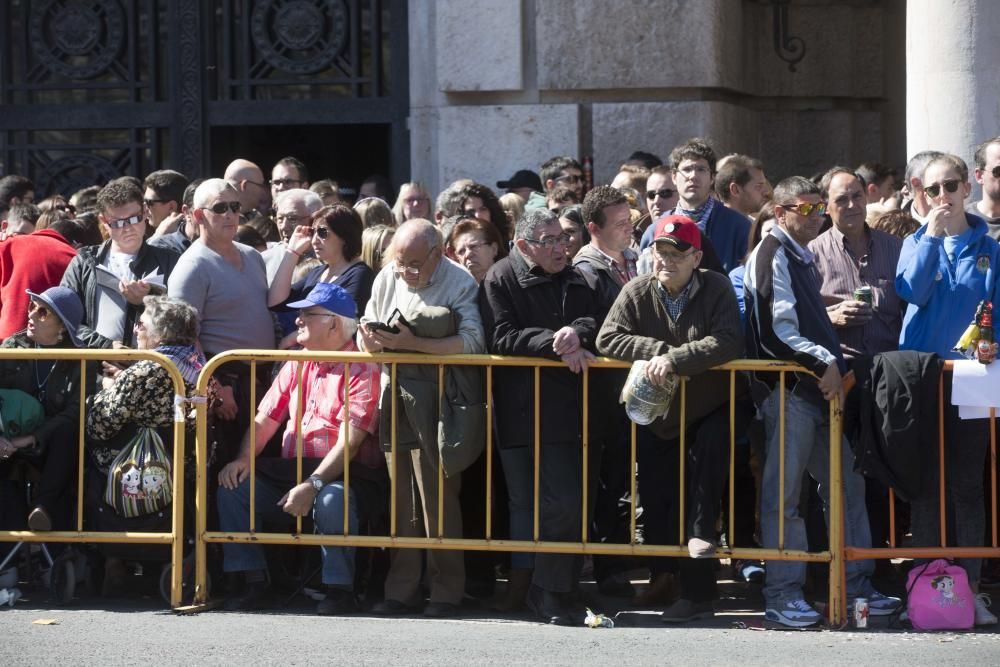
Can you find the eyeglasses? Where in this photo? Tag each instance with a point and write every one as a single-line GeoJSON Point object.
{"type": "Point", "coordinates": [551, 242]}
{"type": "Point", "coordinates": [220, 207]}
{"type": "Point", "coordinates": [322, 232]}
{"type": "Point", "coordinates": [285, 182]}
{"type": "Point", "coordinates": [303, 314]}
{"type": "Point", "coordinates": [290, 219]}
{"type": "Point", "coordinates": [569, 178]}
{"type": "Point", "coordinates": [126, 222]}
{"type": "Point", "coordinates": [38, 310]}
{"type": "Point", "coordinates": [690, 170]}
{"type": "Point", "coordinates": [995, 171]}
{"type": "Point", "coordinates": [472, 212]}
{"type": "Point", "coordinates": [150, 202]}
{"type": "Point", "coordinates": [673, 257]}
{"type": "Point", "coordinates": [413, 270]}
{"type": "Point", "coordinates": [666, 193]}
{"type": "Point", "coordinates": [806, 209]}
{"type": "Point", "coordinates": [68, 208]}
{"type": "Point", "coordinates": [951, 185]}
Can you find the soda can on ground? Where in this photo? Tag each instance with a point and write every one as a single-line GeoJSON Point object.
{"type": "Point", "coordinates": [861, 613]}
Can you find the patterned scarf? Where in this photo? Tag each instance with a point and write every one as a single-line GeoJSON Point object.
{"type": "Point", "coordinates": [187, 358]}
{"type": "Point", "coordinates": [701, 214]}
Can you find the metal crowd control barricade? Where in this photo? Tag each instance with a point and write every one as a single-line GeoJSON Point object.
{"type": "Point", "coordinates": [942, 550]}
{"type": "Point", "coordinates": [175, 538]}
{"type": "Point", "coordinates": [834, 556]}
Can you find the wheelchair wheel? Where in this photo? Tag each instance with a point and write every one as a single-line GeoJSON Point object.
{"type": "Point", "coordinates": [187, 581]}
{"type": "Point", "coordinates": [62, 579]}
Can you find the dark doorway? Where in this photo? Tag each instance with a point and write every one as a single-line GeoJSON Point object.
{"type": "Point", "coordinates": [345, 153]}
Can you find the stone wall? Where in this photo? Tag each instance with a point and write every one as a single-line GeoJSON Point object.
{"type": "Point", "coordinates": [500, 85]}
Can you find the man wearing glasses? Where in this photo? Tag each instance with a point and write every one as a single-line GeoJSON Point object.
{"type": "Point", "coordinates": [293, 208]}
{"type": "Point", "coordinates": [112, 278]}
{"type": "Point", "coordinates": [533, 304]}
{"type": "Point", "coordinates": [692, 167]}
{"type": "Point", "coordinates": [325, 322]}
{"type": "Point", "coordinates": [288, 173]}
{"type": "Point", "coordinates": [421, 302]}
{"type": "Point", "coordinates": [684, 321]}
{"type": "Point", "coordinates": [164, 199]}
{"type": "Point", "coordinates": [787, 320]}
{"type": "Point", "coordinates": [987, 159]}
{"type": "Point", "coordinates": [560, 170]}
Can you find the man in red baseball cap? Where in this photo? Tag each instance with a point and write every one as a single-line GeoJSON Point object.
{"type": "Point", "coordinates": [684, 321]}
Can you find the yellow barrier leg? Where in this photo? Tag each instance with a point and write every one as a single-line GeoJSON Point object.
{"type": "Point", "coordinates": [838, 600]}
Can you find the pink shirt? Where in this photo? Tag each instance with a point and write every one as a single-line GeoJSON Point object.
{"type": "Point", "coordinates": [323, 407]}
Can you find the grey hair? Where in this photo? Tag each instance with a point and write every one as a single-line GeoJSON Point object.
{"type": "Point", "coordinates": [210, 188]}
{"type": "Point", "coordinates": [312, 201]}
{"type": "Point", "coordinates": [532, 219]}
{"type": "Point", "coordinates": [349, 325]}
{"type": "Point", "coordinates": [173, 321]}
{"type": "Point", "coordinates": [917, 165]}
{"type": "Point", "coordinates": [792, 187]}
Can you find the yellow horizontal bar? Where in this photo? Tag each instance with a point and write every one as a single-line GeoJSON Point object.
{"type": "Point", "coordinates": [86, 536]}
{"type": "Point", "coordinates": [461, 360]}
{"type": "Point", "coordinates": [311, 539]}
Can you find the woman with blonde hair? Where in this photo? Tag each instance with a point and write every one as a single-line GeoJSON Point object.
{"type": "Point", "coordinates": [413, 202]}
{"type": "Point", "coordinates": [374, 242]}
{"type": "Point", "coordinates": [374, 211]}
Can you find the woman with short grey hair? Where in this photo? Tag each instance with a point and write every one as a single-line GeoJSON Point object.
{"type": "Point", "coordinates": [141, 396]}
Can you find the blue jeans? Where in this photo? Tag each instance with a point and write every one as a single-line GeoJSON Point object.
{"type": "Point", "coordinates": [328, 514]}
{"type": "Point", "coordinates": [807, 439]}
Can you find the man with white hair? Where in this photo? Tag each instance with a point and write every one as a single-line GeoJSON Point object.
{"type": "Point", "coordinates": [422, 302]}
{"type": "Point", "coordinates": [293, 208]}
{"type": "Point", "coordinates": [325, 323]}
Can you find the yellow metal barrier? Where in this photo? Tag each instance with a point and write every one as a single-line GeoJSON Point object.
{"type": "Point", "coordinates": [834, 556]}
{"type": "Point", "coordinates": [175, 538]}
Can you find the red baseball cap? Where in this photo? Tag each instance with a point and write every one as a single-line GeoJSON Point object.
{"type": "Point", "coordinates": [679, 231]}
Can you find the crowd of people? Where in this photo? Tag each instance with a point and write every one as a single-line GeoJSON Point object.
{"type": "Point", "coordinates": [683, 266]}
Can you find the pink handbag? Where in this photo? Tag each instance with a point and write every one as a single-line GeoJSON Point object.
{"type": "Point", "coordinates": [939, 597]}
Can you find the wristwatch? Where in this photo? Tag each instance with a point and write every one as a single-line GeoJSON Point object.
{"type": "Point", "coordinates": [316, 482]}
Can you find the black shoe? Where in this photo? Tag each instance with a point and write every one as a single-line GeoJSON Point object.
{"type": "Point", "coordinates": [338, 602]}
{"type": "Point", "coordinates": [39, 520]}
{"type": "Point", "coordinates": [440, 610]}
{"type": "Point", "coordinates": [392, 608]}
{"type": "Point", "coordinates": [549, 608]}
{"type": "Point", "coordinates": [256, 595]}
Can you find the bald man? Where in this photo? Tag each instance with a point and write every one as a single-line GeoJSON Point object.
{"type": "Point", "coordinates": [251, 189]}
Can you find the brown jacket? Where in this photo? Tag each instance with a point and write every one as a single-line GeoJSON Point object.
{"type": "Point", "coordinates": [707, 334]}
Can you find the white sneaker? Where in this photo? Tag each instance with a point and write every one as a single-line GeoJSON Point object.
{"type": "Point", "coordinates": [699, 548]}
{"type": "Point", "coordinates": [794, 614]}
{"type": "Point", "coordinates": [983, 615]}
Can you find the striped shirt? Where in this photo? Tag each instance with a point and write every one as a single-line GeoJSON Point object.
{"type": "Point", "coordinates": [323, 407]}
{"type": "Point", "coordinates": [842, 273]}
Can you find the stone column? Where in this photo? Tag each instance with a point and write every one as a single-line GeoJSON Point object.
{"type": "Point", "coordinates": [952, 91]}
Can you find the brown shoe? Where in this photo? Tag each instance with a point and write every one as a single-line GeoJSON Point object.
{"type": "Point", "coordinates": [662, 590]}
{"type": "Point", "coordinates": [518, 582]}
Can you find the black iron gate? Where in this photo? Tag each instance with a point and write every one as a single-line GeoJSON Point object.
{"type": "Point", "coordinates": [94, 89]}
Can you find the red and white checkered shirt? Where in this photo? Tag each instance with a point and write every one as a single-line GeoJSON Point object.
{"type": "Point", "coordinates": [323, 407]}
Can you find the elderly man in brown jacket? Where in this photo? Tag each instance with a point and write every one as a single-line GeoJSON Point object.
{"type": "Point", "coordinates": [684, 321]}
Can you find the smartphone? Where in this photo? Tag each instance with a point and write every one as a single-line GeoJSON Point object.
{"type": "Point", "coordinates": [389, 327]}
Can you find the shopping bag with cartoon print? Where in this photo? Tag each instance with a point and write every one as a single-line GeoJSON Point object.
{"type": "Point", "coordinates": [939, 597]}
{"type": "Point", "coordinates": [140, 478]}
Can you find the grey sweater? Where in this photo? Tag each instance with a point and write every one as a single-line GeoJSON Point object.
{"type": "Point", "coordinates": [708, 333]}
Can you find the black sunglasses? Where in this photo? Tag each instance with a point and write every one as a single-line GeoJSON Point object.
{"type": "Point", "coordinates": [220, 208]}
{"type": "Point", "coordinates": [150, 202]}
{"type": "Point", "coordinates": [666, 193]}
{"type": "Point", "coordinates": [951, 185]}
{"type": "Point", "coordinates": [995, 171]}
{"type": "Point", "coordinates": [125, 222]}
{"type": "Point", "coordinates": [321, 232]}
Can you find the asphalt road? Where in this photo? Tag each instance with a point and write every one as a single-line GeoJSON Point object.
{"type": "Point", "coordinates": [152, 637]}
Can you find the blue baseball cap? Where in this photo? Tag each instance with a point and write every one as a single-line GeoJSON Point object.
{"type": "Point", "coordinates": [332, 297]}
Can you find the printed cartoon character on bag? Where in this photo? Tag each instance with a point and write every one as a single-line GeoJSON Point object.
{"type": "Point", "coordinates": [153, 476]}
{"type": "Point", "coordinates": [130, 479]}
{"type": "Point", "coordinates": [945, 586]}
